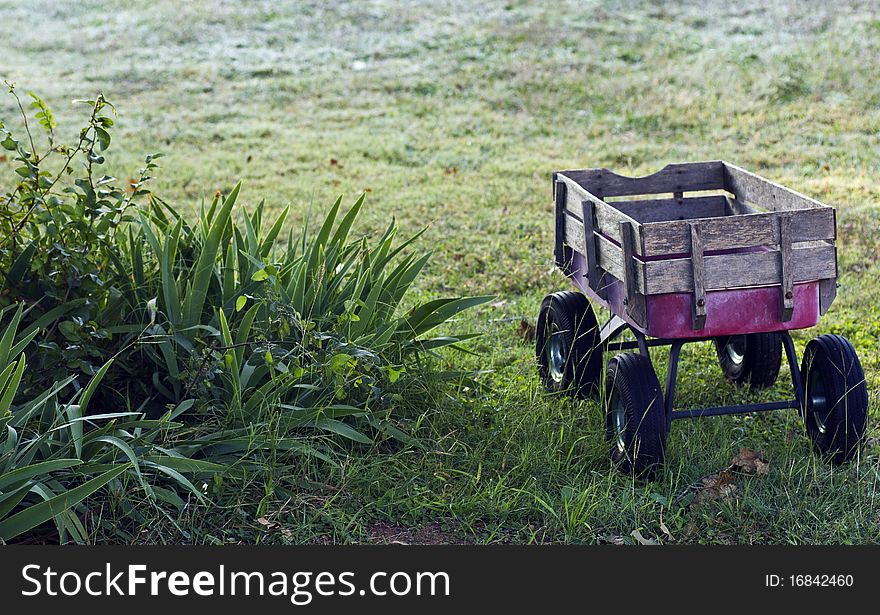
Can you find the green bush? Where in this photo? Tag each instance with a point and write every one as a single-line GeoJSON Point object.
{"type": "Point", "coordinates": [175, 350]}
{"type": "Point", "coordinates": [54, 455]}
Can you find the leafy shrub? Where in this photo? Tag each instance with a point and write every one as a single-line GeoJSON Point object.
{"type": "Point", "coordinates": [60, 226]}
{"type": "Point", "coordinates": [159, 350]}
{"type": "Point", "coordinates": [53, 455]}
{"type": "Point", "coordinates": [244, 321]}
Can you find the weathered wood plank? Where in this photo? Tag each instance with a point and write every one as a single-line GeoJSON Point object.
{"type": "Point", "coordinates": [608, 218]}
{"type": "Point", "coordinates": [764, 193]}
{"type": "Point", "coordinates": [609, 255]}
{"type": "Point", "coordinates": [698, 278]}
{"type": "Point", "coordinates": [785, 266]}
{"type": "Point", "coordinates": [559, 238]}
{"type": "Point", "coordinates": [664, 210]}
{"type": "Point", "coordinates": [739, 270]}
{"type": "Point", "coordinates": [739, 231]}
{"type": "Point", "coordinates": [690, 176]}
{"type": "Point", "coordinates": [636, 307]}
{"type": "Point", "coordinates": [611, 260]}
{"type": "Point", "coordinates": [594, 271]}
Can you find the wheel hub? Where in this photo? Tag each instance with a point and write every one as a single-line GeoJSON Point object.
{"type": "Point", "coordinates": [557, 355]}
{"type": "Point", "coordinates": [736, 349]}
{"type": "Point", "coordinates": [817, 401]}
{"type": "Point", "coordinates": [618, 420]}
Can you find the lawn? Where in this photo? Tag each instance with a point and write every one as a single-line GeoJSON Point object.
{"type": "Point", "coordinates": [452, 116]}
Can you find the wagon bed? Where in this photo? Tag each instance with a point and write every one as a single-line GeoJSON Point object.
{"type": "Point", "coordinates": [697, 249]}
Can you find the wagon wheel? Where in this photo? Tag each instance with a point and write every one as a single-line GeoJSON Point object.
{"type": "Point", "coordinates": [635, 422]}
{"type": "Point", "coordinates": [752, 359]}
{"type": "Point", "coordinates": [567, 345]}
{"type": "Point", "coordinates": [836, 396]}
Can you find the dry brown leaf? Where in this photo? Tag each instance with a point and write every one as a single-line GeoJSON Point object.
{"type": "Point", "coordinates": [526, 330]}
{"type": "Point", "coordinates": [716, 487]}
{"type": "Point", "coordinates": [750, 461]}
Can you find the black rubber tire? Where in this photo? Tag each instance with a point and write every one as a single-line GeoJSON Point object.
{"type": "Point", "coordinates": [569, 314]}
{"type": "Point", "coordinates": [641, 450]}
{"type": "Point", "coordinates": [761, 358]}
{"type": "Point", "coordinates": [831, 369]}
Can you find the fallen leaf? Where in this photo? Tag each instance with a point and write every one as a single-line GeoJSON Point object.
{"type": "Point", "coordinates": [641, 539]}
{"type": "Point", "coordinates": [335, 163]}
{"type": "Point", "coordinates": [526, 330]}
{"type": "Point", "coordinates": [265, 522]}
{"type": "Point", "coordinates": [451, 170]}
{"type": "Point", "coordinates": [748, 460]}
{"type": "Point", "coordinates": [716, 487]}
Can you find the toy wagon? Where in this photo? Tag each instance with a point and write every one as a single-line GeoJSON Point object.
{"type": "Point", "coordinates": [701, 251]}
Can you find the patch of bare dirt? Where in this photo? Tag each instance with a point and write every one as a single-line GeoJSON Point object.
{"type": "Point", "coordinates": [384, 533]}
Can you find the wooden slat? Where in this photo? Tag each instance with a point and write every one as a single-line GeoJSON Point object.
{"type": "Point", "coordinates": [611, 260]}
{"type": "Point", "coordinates": [785, 266]}
{"type": "Point", "coordinates": [691, 176]}
{"type": "Point", "coordinates": [594, 271]}
{"type": "Point", "coordinates": [608, 218]}
{"type": "Point", "coordinates": [739, 270]}
{"type": "Point", "coordinates": [752, 188]}
{"type": "Point", "coordinates": [663, 210]}
{"type": "Point", "coordinates": [636, 308]}
{"type": "Point", "coordinates": [610, 255]}
{"type": "Point", "coordinates": [828, 287]}
{"type": "Point", "coordinates": [559, 196]}
{"type": "Point", "coordinates": [698, 278]}
{"type": "Point", "coordinates": [730, 232]}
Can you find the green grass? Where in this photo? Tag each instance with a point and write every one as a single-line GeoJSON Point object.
{"type": "Point", "coordinates": [454, 117]}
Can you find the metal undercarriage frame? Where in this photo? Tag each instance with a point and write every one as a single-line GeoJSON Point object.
{"type": "Point", "coordinates": [616, 325]}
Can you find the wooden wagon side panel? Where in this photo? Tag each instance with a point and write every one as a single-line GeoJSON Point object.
{"type": "Point", "coordinates": [674, 178]}
{"type": "Point", "coordinates": [749, 188]}
{"type": "Point", "coordinates": [608, 239]}
{"type": "Point", "coordinates": [754, 189]}
{"type": "Point", "coordinates": [608, 218]}
{"type": "Point", "coordinates": [732, 232]}
{"type": "Point", "coordinates": [609, 256]}
{"type": "Point", "coordinates": [739, 270]}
